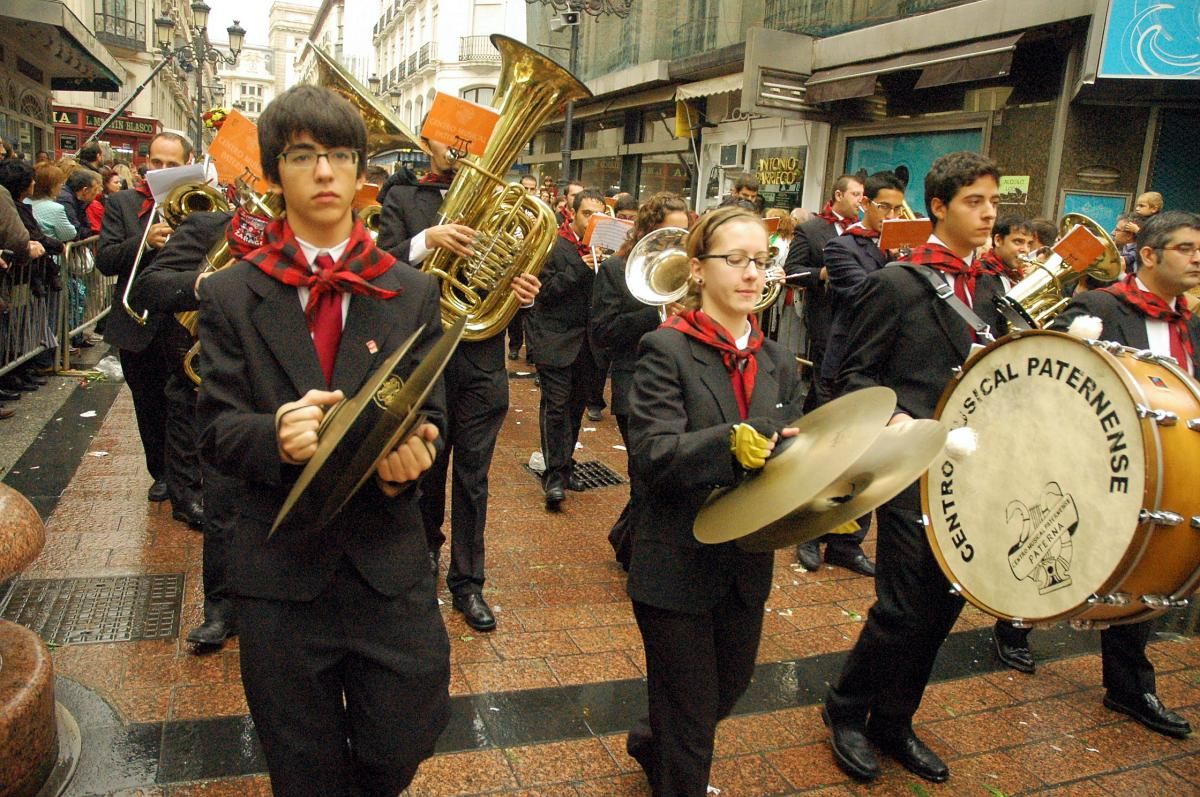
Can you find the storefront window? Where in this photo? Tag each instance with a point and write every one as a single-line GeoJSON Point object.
{"type": "Point", "coordinates": [608, 132]}
{"type": "Point", "coordinates": [658, 125]}
{"type": "Point", "coordinates": [916, 152]}
{"type": "Point", "coordinates": [666, 172]}
{"type": "Point", "coordinates": [780, 174]}
{"type": "Point", "coordinates": [601, 173]}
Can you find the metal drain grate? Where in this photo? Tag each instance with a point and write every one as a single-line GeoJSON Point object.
{"type": "Point", "coordinates": [71, 611]}
{"type": "Point", "coordinates": [592, 473]}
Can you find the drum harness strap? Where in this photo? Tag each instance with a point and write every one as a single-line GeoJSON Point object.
{"type": "Point", "coordinates": [941, 286]}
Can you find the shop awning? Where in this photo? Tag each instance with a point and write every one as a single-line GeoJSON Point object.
{"type": "Point", "coordinates": [725, 84]}
{"type": "Point", "coordinates": [980, 60]}
{"type": "Point", "coordinates": [72, 57]}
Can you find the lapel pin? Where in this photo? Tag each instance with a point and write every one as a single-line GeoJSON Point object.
{"type": "Point", "coordinates": [372, 347]}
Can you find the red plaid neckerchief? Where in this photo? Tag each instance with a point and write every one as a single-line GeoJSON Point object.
{"type": "Point", "coordinates": [434, 178]}
{"type": "Point", "coordinates": [945, 261]}
{"type": "Point", "coordinates": [862, 231]}
{"type": "Point", "coordinates": [830, 215]}
{"type": "Point", "coordinates": [1153, 306]}
{"type": "Point", "coordinates": [245, 233]}
{"type": "Point", "coordinates": [567, 231]}
{"type": "Point", "coordinates": [282, 258]}
{"type": "Point", "coordinates": [148, 198]}
{"type": "Point", "coordinates": [741, 364]}
{"type": "Point", "coordinates": [990, 263]}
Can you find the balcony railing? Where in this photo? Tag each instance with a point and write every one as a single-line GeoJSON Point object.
{"type": "Point", "coordinates": [694, 37]}
{"type": "Point", "coordinates": [122, 32]}
{"type": "Point", "coordinates": [411, 64]}
{"type": "Point", "coordinates": [829, 17]}
{"type": "Point", "coordinates": [426, 55]}
{"type": "Point", "coordinates": [477, 49]}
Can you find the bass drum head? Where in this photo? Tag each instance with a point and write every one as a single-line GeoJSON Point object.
{"type": "Point", "coordinates": [1038, 518]}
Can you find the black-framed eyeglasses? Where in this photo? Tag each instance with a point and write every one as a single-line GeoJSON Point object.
{"type": "Point", "coordinates": [304, 158]}
{"type": "Point", "coordinates": [1185, 249]}
{"type": "Point", "coordinates": [884, 207]}
{"type": "Point", "coordinates": [740, 260]}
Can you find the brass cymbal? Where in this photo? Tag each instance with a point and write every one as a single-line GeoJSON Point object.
{"type": "Point", "coordinates": [358, 432]}
{"type": "Point", "coordinates": [829, 441]}
{"type": "Point", "coordinates": [895, 460]}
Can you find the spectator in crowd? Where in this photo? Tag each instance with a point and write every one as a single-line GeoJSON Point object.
{"type": "Point", "coordinates": [112, 183]}
{"type": "Point", "coordinates": [90, 156]}
{"type": "Point", "coordinates": [1148, 204]}
{"type": "Point", "coordinates": [42, 157]}
{"type": "Point", "coordinates": [82, 186]}
{"type": "Point", "coordinates": [746, 187]}
{"type": "Point", "coordinates": [529, 183]}
{"type": "Point", "coordinates": [6, 150]}
{"type": "Point", "coordinates": [1124, 234]}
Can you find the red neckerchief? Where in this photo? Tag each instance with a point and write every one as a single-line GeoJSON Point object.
{"type": "Point", "coordinates": [1153, 306]}
{"type": "Point", "coordinates": [245, 233]}
{"type": "Point", "coordinates": [830, 215]}
{"type": "Point", "coordinates": [741, 364]}
{"type": "Point", "coordinates": [862, 231]}
{"type": "Point", "coordinates": [434, 178]}
{"type": "Point", "coordinates": [941, 258]}
{"type": "Point", "coordinates": [567, 231]}
{"type": "Point", "coordinates": [281, 258]}
{"type": "Point", "coordinates": [148, 201]}
{"type": "Point", "coordinates": [990, 263]}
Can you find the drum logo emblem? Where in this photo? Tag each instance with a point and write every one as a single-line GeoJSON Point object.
{"type": "Point", "coordinates": [387, 393]}
{"type": "Point", "coordinates": [1042, 553]}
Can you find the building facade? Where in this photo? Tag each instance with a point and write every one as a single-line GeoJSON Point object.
{"type": "Point", "coordinates": [288, 27]}
{"type": "Point", "coordinates": [251, 83]}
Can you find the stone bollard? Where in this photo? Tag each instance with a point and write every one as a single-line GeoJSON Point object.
{"type": "Point", "coordinates": [28, 734]}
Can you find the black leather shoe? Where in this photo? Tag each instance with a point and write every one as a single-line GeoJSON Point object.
{"type": "Point", "coordinates": [211, 634]}
{"type": "Point", "coordinates": [10, 395]}
{"type": "Point", "coordinates": [1149, 710]}
{"type": "Point", "coordinates": [554, 498]}
{"type": "Point", "coordinates": [576, 485]}
{"type": "Point", "coordinates": [1019, 657]}
{"type": "Point", "coordinates": [912, 754]}
{"type": "Point", "coordinates": [855, 563]}
{"type": "Point", "coordinates": [6, 412]}
{"type": "Point", "coordinates": [22, 385]}
{"type": "Point", "coordinates": [191, 513]}
{"type": "Point", "coordinates": [851, 750]}
{"type": "Point", "coordinates": [158, 492]}
{"type": "Point", "coordinates": [808, 554]}
{"type": "Point", "coordinates": [475, 611]}
{"type": "Point", "coordinates": [595, 414]}
{"type": "Point", "coordinates": [34, 379]}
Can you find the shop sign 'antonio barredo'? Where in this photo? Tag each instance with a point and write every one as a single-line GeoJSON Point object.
{"type": "Point", "coordinates": [778, 171]}
{"type": "Point", "coordinates": [1028, 521]}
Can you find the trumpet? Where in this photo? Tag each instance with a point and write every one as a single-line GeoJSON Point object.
{"type": "Point", "coordinates": [180, 203]}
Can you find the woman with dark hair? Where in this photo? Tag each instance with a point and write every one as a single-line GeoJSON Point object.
{"type": "Point", "coordinates": [710, 399]}
{"type": "Point", "coordinates": [110, 182]}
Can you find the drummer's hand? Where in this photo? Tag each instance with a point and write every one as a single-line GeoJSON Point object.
{"type": "Point", "coordinates": [898, 418]}
{"type": "Point", "coordinates": [752, 441]}
{"type": "Point", "coordinates": [296, 425]}
{"type": "Point", "coordinates": [408, 460]}
{"type": "Point", "coordinates": [525, 287]}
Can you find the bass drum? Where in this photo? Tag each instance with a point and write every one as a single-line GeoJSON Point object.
{"type": "Point", "coordinates": [1080, 500]}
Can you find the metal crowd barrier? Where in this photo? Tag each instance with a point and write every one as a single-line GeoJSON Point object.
{"type": "Point", "coordinates": [45, 302]}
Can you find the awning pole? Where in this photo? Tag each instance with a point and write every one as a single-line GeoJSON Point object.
{"type": "Point", "coordinates": [112, 117]}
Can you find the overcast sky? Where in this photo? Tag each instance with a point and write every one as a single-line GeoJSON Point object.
{"type": "Point", "coordinates": [251, 15]}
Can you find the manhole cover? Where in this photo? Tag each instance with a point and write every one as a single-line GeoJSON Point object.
{"type": "Point", "coordinates": [70, 611]}
{"type": "Point", "coordinates": [592, 473]}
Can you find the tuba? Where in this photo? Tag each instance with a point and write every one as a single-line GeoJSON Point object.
{"type": "Point", "coordinates": [182, 201]}
{"type": "Point", "coordinates": [1036, 300]}
{"type": "Point", "coordinates": [516, 231]}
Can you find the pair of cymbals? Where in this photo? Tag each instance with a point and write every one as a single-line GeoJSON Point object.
{"type": "Point", "coordinates": [843, 462]}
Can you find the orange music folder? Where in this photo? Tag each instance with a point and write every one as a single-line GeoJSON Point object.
{"type": "Point", "coordinates": [1079, 248]}
{"type": "Point", "coordinates": [460, 124]}
{"type": "Point", "coordinates": [902, 233]}
{"type": "Point", "coordinates": [772, 223]}
{"type": "Point", "coordinates": [235, 152]}
{"type": "Point", "coordinates": [367, 195]}
{"type": "Point", "coordinates": [606, 232]}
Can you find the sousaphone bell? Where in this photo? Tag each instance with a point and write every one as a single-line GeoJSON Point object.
{"type": "Point", "coordinates": [357, 433]}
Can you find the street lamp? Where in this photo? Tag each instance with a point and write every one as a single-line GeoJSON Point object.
{"type": "Point", "coordinates": [570, 10]}
{"type": "Point", "coordinates": [195, 53]}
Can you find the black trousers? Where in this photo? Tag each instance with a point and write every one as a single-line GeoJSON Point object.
{"type": "Point", "coordinates": [477, 402]}
{"type": "Point", "coordinates": [219, 517]}
{"type": "Point", "coordinates": [885, 675]}
{"type": "Point", "coordinates": [595, 398]}
{"type": "Point", "coordinates": [146, 373]}
{"type": "Point", "coordinates": [348, 692]}
{"type": "Point", "coordinates": [697, 666]}
{"type": "Point", "coordinates": [620, 536]}
{"type": "Point", "coordinates": [1127, 670]}
{"type": "Point", "coordinates": [564, 398]}
{"type": "Point", "coordinates": [516, 330]}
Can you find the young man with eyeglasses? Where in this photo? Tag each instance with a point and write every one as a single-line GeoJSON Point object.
{"type": "Point", "coordinates": [344, 655]}
{"type": "Point", "coordinates": [1145, 311]}
{"type": "Point", "coordinates": [848, 259]}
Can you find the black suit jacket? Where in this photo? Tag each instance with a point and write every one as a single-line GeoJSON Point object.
{"type": "Point", "coordinates": [682, 408]}
{"type": "Point", "coordinates": [558, 325]}
{"type": "Point", "coordinates": [120, 234]}
{"type": "Point", "coordinates": [407, 209]}
{"type": "Point", "coordinates": [848, 259]}
{"type": "Point", "coordinates": [167, 285]}
{"type": "Point", "coordinates": [618, 323]}
{"type": "Point", "coordinates": [1122, 322]}
{"type": "Point", "coordinates": [257, 354]}
{"type": "Point", "coordinates": [806, 253]}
